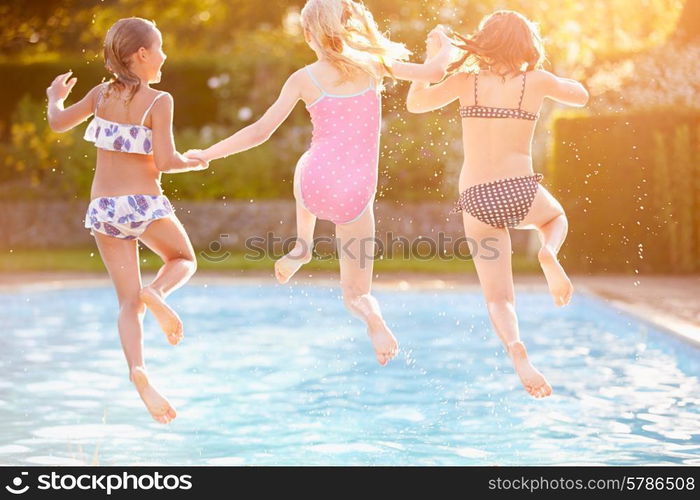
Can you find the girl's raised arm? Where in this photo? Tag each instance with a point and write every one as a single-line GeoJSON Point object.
{"type": "Point", "coordinates": [260, 131]}
{"type": "Point", "coordinates": [563, 90]}
{"type": "Point", "coordinates": [422, 97]}
{"type": "Point", "coordinates": [164, 153]}
{"type": "Point", "coordinates": [60, 119]}
{"type": "Point", "coordinates": [433, 69]}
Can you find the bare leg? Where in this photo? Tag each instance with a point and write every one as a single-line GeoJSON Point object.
{"type": "Point", "coordinates": [302, 252]}
{"type": "Point", "coordinates": [547, 216]}
{"type": "Point", "coordinates": [121, 259]}
{"type": "Point", "coordinates": [168, 239]}
{"type": "Point", "coordinates": [492, 259]}
{"type": "Point", "coordinates": [356, 250]}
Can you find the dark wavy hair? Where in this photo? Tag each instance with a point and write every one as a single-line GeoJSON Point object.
{"type": "Point", "coordinates": [504, 38]}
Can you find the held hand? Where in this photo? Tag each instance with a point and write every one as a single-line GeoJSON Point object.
{"type": "Point", "coordinates": [195, 157]}
{"type": "Point", "coordinates": [445, 39]}
{"type": "Point", "coordinates": [432, 45]}
{"type": "Point", "coordinates": [438, 39]}
{"type": "Point", "coordinates": [196, 164]}
{"type": "Point", "coordinates": [61, 87]}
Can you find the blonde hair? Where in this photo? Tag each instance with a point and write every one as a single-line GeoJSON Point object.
{"type": "Point", "coordinates": [348, 36]}
{"type": "Point", "coordinates": [504, 38]}
{"type": "Point", "coordinates": [124, 39]}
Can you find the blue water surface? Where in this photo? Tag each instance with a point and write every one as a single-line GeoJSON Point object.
{"type": "Point", "coordinates": [284, 375]}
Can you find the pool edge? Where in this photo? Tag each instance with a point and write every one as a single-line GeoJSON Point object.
{"type": "Point", "coordinates": [682, 329]}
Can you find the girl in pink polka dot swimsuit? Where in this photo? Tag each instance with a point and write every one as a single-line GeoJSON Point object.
{"type": "Point", "coordinates": [336, 178]}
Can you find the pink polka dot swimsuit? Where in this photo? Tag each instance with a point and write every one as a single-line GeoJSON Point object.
{"type": "Point", "coordinates": [338, 174]}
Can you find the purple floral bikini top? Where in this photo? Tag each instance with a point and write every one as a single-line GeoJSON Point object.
{"type": "Point", "coordinates": [122, 137]}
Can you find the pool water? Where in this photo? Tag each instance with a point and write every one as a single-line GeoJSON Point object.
{"type": "Point", "coordinates": [284, 375]}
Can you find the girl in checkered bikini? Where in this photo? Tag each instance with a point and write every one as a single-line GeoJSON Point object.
{"type": "Point", "coordinates": [499, 67]}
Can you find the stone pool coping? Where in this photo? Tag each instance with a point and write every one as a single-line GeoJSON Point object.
{"type": "Point", "coordinates": [670, 303]}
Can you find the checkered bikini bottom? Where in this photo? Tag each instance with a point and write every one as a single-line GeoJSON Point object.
{"type": "Point", "coordinates": [501, 203]}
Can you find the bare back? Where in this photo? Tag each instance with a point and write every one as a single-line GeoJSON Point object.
{"type": "Point", "coordinates": [119, 173]}
{"type": "Point", "coordinates": [496, 148]}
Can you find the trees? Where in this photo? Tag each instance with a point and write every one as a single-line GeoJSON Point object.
{"type": "Point", "coordinates": [32, 29]}
{"type": "Point", "coordinates": [578, 33]}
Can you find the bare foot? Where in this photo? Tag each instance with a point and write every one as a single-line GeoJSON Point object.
{"type": "Point", "coordinates": [383, 341]}
{"type": "Point", "coordinates": [533, 381]}
{"type": "Point", "coordinates": [168, 319]}
{"type": "Point", "coordinates": [288, 265]}
{"type": "Point", "coordinates": [559, 284]}
{"type": "Point", "coordinates": [159, 407]}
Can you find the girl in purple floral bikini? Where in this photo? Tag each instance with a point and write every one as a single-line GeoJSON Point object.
{"type": "Point", "coordinates": [127, 203]}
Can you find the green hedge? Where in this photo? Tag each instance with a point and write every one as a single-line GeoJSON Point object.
{"type": "Point", "coordinates": [180, 79]}
{"type": "Point", "coordinates": [630, 185]}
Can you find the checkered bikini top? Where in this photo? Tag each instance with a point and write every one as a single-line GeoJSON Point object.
{"type": "Point", "coordinates": [477, 111]}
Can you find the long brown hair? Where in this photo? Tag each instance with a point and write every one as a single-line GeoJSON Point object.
{"type": "Point", "coordinates": [504, 38]}
{"type": "Point", "coordinates": [348, 36]}
{"type": "Point", "coordinates": [123, 39]}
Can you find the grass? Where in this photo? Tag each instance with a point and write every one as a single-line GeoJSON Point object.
{"type": "Point", "coordinates": [88, 260]}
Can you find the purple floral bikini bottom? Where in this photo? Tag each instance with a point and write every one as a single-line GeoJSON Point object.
{"type": "Point", "coordinates": [126, 217]}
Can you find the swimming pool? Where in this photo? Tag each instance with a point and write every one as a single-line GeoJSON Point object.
{"type": "Point", "coordinates": [283, 375]}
